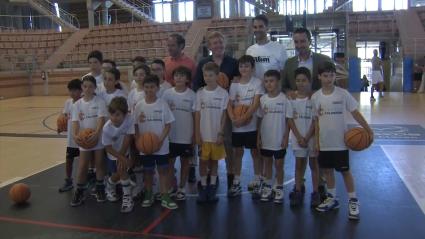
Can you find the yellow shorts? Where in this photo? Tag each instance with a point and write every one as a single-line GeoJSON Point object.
{"type": "Point", "coordinates": [212, 151]}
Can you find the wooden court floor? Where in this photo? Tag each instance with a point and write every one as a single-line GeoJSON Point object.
{"type": "Point", "coordinates": [389, 179]}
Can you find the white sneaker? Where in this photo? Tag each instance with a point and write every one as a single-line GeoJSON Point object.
{"type": "Point", "coordinates": [266, 193]}
{"type": "Point", "coordinates": [278, 194]}
{"type": "Point", "coordinates": [353, 209]}
{"type": "Point", "coordinates": [329, 204]}
{"type": "Point", "coordinates": [111, 193]}
{"type": "Point", "coordinates": [127, 204]}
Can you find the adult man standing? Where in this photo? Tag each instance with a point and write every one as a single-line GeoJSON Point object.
{"type": "Point", "coordinates": [304, 57]}
{"type": "Point", "coordinates": [268, 55]}
{"type": "Point", "coordinates": [175, 46]}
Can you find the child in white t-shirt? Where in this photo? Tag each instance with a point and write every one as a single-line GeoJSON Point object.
{"type": "Point", "coordinates": [181, 100]}
{"type": "Point", "coordinates": [137, 93]}
{"type": "Point", "coordinates": [72, 151]}
{"type": "Point", "coordinates": [330, 105]}
{"type": "Point", "coordinates": [116, 137]}
{"type": "Point", "coordinates": [210, 116]}
{"type": "Point", "coordinates": [112, 86]}
{"type": "Point", "coordinates": [158, 69]}
{"type": "Point", "coordinates": [273, 135]}
{"type": "Point", "coordinates": [247, 91]}
{"type": "Point", "coordinates": [302, 139]}
{"type": "Point", "coordinates": [153, 115]}
{"type": "Point", "coordinates": [89, 112]}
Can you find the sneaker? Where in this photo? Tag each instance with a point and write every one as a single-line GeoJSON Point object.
{"type": "Point", "coordinates": [100, 195]}
{"type": "Point", "coordinates": [158, 196]}
{"type": "Point", "coordinates": [192, 175]}
{"type": "Point", "coordinates": [235, 190]}
{"type": "Point", "coordinates": [111, 193]}
{"type": "Point", "coordinates": [315, 200]}
{"type": "Point", "coordinates": [212, 193]}
{"type": "Point", "coordinates": [328, 204]}
{"type": "Point", "coordinates": [296, 198]}
{"type": "Point", "coordinates": [257, 191]}
{"type": "Point", "coordinates": [278, 195]}
{"type": "Point", "coordinates": [173, 192]}
{"type": "Point", "coordinates": [67, 186]}
{"type": "Point", "coordinates": [266, 193]}
{"type": "Point", "coordinates": [167, 202]}
{"type": "Point", "coordinates": [202, 194]}
{"type": "Point", "coordinates": [127, 204]}
{"type": "Point", "coordinates": [353, 209]}
{"type": "Point", "coordinates": [180, 195]}
{"type": "Point", "coordinates": [148, 199]}
{"type": "Point", "coordinates": [78, 198]}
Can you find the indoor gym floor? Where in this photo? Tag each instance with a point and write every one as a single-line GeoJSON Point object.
{"type": "Point", "coordinates": [389, 177]}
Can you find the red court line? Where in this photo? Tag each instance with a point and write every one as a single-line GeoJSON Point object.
{"type": "Point", "coordinates": [155, 223]}
{"type": "Point", "coordinates": [89, 229]}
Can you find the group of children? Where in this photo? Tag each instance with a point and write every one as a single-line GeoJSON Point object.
{"type": "Point", "coordinates": [314, 122]}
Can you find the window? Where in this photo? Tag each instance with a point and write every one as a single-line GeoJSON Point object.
{"type": "Point", "coordinates": [186, 11]}
{"type": "Point", "coordinates": [224, 9]}
{"type": "Point", "coordinates": [162, 10]}
{"type": "Point", "coordinates": [365, 53]}
{"type": "Point", "coordinates": [249, 9]}
{"type": "Point", "coordinates": [366, 5]}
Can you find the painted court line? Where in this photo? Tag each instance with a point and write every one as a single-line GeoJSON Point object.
{"type": "Point", "coordinates": [155, 223]}
{"type": "Point", "coordinates": [88, 229]}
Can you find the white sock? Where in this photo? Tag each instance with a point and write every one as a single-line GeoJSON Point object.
{"type": "Point", "coordinates": [213, 180]}
{"type": "Point", "coordinates": [237, 179]}
{"type": "Point", "coordinates": [352, 195]}
{"type": "Point", "coordinates": [126, 189]}
{"type": "Point", "coordinates": [204, 180]}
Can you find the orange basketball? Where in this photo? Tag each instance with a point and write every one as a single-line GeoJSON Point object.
{"type": "Point", "coordinates": [84, 135]}
{"type": "Point", "coordinates": [239, 111]}
{"type": "Point", "coordinates": [223, 80]}
{"type": "Point", "coordinates": [357, 139]}
{"type": "Point", "coordinates": [147, 143]}
{"type": "Point", "coordinates": [19, 193]}
{"type": "Point", "coordinates": [62, 123]}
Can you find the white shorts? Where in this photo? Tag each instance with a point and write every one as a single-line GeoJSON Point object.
{"type": "Point", "coordinates": [376, 77]}
{"type": "Point", "coordinates": [304, 153]}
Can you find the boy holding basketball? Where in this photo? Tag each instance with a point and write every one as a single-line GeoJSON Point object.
{"type": "Point", "coordinates": [153, 115]}
{"type": "Point", "coordinates": [210, 117]}
{"type": "Point", "coordinates": [72, 151]}
{"type": "Point", "coordinates": [245, 93]}
{"type": "Point", "coordinates": [330, 104]}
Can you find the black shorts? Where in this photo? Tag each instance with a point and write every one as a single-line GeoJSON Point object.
{"type": "Point", "coordinates": [71, 153]}
{"type": "Point", "coordinates": [338, 160]}
{"type": "Point", "coordinates": [277, 154]}
{"type": "Point", "coordinates": [182, 150]}
{"type": "Point", "coordinates": [150, 161]}
{"type": "Point", "coordinates": [244, 139]}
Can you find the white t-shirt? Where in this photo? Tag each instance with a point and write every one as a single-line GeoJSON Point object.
{"type": "Point", "coordinates": [303, 118]}
{"type": "Point", "coordinates": [182, 105]}
{"type": "Point", "coordinates": [99, 82]}
{"type": "Point", "coordinates": [67, 111]}
{"type": "Point", "coordinates": [211, 105]}
{"type": "Point", "coordinates": [133, 85]}
{"type": "Point", "coordinates": [114, 136]}
{"type": "Point", "coordinates": [153, 118]}
{"type": "Point", "coordinates": [162, 88]}
{"type": "Point", "coordinates": [243, 94]}
{"type": "Point", "coordinates": [87, 114]}
{"type": "Point", "coordinates": [134, 97]}
{"type": "Point", "coordinates": [270, 56]}
{"type": "Point", "coordinates": [107, 97]}
{"type": "Point", "coordinates": [274, 112]}
{"type": "Point", "coordinates": [331, 111]}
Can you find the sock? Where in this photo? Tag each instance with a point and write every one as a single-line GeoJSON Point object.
{"type": "Point", "coordinates": [100, 185]}
{"type": "Point", "coordinates": [257, 178]}
{"type": "Point", "coordinates": [268, 182]}
{"type": "Point", "coordinates": [81, 187]}
{"type": "Point", "coordinates": [352, 195]}
{"type": "Point", "coordinates": [213, 180]}
{"type": "Point", "coordinates": [138, 172]}
{"type": "Point", "coordinates": [332, 191]}
{"type": "Point", "coordinates": [183, 190]}
{"type": "Point", "coordinates": [237, 179]}
{"type": "Point", "coordinates": [204, 180]}
{"type": "Point", "coordinates": [126, 189]}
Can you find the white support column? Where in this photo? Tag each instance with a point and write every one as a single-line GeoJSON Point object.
{"type": "Point", "coordinates": [90, 13]}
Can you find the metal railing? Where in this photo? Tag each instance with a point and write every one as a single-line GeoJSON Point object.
{"type": "Point", "coordinates": [20, 22]}
{"type": "Point", "coordinates": [114, 15]}
{"type": "Point", "coordinates": [64, 15]}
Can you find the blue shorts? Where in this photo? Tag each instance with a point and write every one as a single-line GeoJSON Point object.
{"type": "Point", "coordinates": [111, 165]}
{"type": "Point", "coordinates": [150, 161]}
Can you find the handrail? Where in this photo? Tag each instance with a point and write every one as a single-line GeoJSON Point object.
{"type": "Point", "coordinates": [64, 15]}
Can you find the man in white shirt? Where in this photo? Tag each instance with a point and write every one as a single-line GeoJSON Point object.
{"type": "Point", "coordinates": [268, 55]}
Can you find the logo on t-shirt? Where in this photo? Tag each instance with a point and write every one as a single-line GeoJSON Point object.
{"type": "Point", "coordinates": [262, 59]}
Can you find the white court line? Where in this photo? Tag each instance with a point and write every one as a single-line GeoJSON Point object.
{"type": "Point", "coordinates": [10, 181]}
{"type": "Point", "coordinates": [407, 161]}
